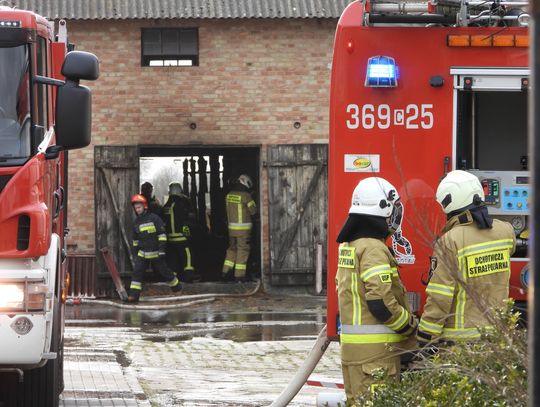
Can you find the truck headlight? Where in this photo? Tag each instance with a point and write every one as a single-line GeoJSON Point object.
{"type": "Point", "coordinates": [23, 297]}
{"type": "Point", "coordinates": [12, 296]}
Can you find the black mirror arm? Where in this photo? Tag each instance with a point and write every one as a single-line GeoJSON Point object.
{"type": "Point", "coordinates": [48, 81]}
{"type": "Point", "coordinates": [53, 152]}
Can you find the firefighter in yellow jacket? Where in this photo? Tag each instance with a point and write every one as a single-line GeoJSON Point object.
{"type": "Point", "coordinates": [373, 310]}
{"type": "Point", "coordinates": [241, 208]}
{"type": "Point", "coordinates": [470, 266]}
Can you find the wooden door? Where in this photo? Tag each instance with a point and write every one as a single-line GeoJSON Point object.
{"type": "Point", "coordinates": [116, 180]}
{"type": "Point", "coordinates": [297, 176]}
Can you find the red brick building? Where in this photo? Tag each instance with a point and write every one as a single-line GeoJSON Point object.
{"type": "Point", "coordinates": [253, 75]}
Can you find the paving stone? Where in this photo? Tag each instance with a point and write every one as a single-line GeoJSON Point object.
{"type": "Point", "coordinates": [201, 371]}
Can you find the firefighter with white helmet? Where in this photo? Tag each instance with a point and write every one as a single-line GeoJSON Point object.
{"type": "Point", "coordinates": [470, 266]}
{"type": "Point", "coordinates": [241, 209]}
{"type": "Point", "coordinates": [374, 312]}
{"type": "Point", "coordinates": [149, 241]}
{"type": "Point", "coordinates": [178, 214]}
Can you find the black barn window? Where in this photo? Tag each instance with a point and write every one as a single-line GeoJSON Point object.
{"type": "Point", "coordinates": [170, 47]}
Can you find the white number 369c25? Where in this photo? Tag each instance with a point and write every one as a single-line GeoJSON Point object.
{"type": "Point", "coordinates": [369, 116]}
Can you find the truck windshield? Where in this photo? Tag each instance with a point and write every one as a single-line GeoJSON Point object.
{"type": "Point", "coordinates": [15, 121]}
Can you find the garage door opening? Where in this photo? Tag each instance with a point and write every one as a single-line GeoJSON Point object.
{"type": "Point", "coordinates": [206, 175]}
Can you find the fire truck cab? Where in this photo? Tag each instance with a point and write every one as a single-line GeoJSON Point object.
{"type": "Point", "coordinates": [44, 111]}
{"type": "Point", "coordinates": [420, 89]}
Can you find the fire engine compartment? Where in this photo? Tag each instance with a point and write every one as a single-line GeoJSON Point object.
{"type": "Point", "coordinates": [491, 142]}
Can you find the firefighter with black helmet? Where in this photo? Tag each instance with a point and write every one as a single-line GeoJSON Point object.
{"type": "Point", "coordinates": [241, 209]}
{"type": "Point", "coordinates": [149, 240]}
{"type": "Point", "coordinates": [376, 320]}
{"type": "Point", "coordinates": [470, 266]}
{"type": "Point", "coordinates": [177, 213]}
{"type": "Point", "coordinates": [147, 190]}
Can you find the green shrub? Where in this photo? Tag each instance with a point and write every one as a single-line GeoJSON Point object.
{"type": "Point", "coordinates": [489, 372]}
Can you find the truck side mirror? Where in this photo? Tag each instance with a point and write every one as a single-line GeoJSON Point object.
{"type": "Point", "coordinates": [80, 65]}
{"type": "Point", "coordinates": [74, 102]}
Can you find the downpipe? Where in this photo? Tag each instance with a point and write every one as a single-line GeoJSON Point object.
{"type": "Point", "coordinates": [303, 373]}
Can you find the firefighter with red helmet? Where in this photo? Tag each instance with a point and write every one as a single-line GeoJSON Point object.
{"type": "Point", "coordinates": [241, 209]}
{"type": "Point", "coordinates": [373, 310]}
{"type": "Point", "coordinates": [149, 241]}
{"type": "Point", "coordinates": [470, 266]}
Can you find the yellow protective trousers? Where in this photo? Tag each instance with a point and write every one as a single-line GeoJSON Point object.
{"type": "Point", "coordinates": [238, 252]}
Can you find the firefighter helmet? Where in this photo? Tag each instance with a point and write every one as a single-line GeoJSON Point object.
{"type": "Point", "coordinates": [175, 188]}
{"type": "Point", "coordinates": [147, 188]}
{"type": "Point", "coordinates": [245, 180]}
{"type": "Point", "coordinates": [138, 198]}
{"type": "Point", "coordinates": [458, 190]}
{"type": "Point", "coordinates": [374, 196]}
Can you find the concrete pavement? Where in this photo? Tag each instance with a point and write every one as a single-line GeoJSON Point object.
{"type": "Point", "coordinates": [109, 365]}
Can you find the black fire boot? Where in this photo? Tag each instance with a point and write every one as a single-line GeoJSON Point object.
{"type": "Point", "coordinates": [177, 288]}
{"type": "Point", "coordinates": [133, 296]}
{"type": "Point", "coordinates": [187, 276]}
{"type": "Point", "coordinates": [228, 276]}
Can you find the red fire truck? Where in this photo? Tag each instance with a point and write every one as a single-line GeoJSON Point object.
{"type": "Point", "coordinates": [420, 89]}
{"type": "Point", "coordinates": [44, 111]}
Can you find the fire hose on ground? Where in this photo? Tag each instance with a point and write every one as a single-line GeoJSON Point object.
{"type": "Point", "coordinates": [186, 300]}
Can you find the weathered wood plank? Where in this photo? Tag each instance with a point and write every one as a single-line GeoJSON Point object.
{"type": "Point", "coordinates": [297, 210]}
{"type": "Point", "coordinates": [120, 164]}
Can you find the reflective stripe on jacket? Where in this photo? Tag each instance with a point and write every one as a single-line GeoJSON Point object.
{"type": "Point", "coordinates": [149, 238]}
{"type": "Point", "coordinates": [368, 272]}
{"type": "Point", "coordinates": [175, 214]}
{"type": "Point", "coordinates": [240, 209]}
{"type": "Point", "coordinates": [467, 262]}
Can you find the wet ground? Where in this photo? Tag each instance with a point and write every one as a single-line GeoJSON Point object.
{"type": "Point", "coordinates": [228, 352]}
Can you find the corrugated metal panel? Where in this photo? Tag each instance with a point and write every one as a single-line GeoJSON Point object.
{"type": "Point", "coordinates": [82, 271]}
{"type": "Point", "coordinates": [156, 9]}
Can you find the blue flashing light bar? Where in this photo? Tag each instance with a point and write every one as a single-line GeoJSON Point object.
{"type": "Point", "coordinates": [382, 72]}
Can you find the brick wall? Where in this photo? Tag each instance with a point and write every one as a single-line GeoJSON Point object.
{"type": "Point", "coordinates": [255, 79]}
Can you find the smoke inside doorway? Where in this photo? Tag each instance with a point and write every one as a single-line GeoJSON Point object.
{"type": "Point", "coordinates": [205, 175]}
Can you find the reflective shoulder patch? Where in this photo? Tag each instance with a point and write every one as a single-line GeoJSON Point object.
{"type": "Point", "coordinates": [483, 264]}
{"type": "Point", "coordinates": [386, 278]}
{"type": "Point", "coordinates": [347, 257]}
{"type": "Point", "coordinates": [234, 198]}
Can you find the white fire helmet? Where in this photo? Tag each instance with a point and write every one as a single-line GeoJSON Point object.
{"type": "Point", "coordinates": [245, 180]}
{"type": "Point", "coordinates": [458, 190]}
{"type": "Point", "coordinates": [175, 189]}
{"type": "Point", "coordinates": [374, 196]}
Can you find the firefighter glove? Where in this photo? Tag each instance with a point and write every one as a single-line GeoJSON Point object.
{"type": "Point", "coordinates": [424, 339]}
{"type": "Point", "coordinates": [411, 326]}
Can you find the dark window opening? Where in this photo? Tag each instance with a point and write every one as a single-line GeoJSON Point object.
{"type": "Point", "coordinates": [492, 130]}
{"type": "Point", "coordinates": [206, 174]}
{"type": "Point", "coordinates": [170, 47]}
